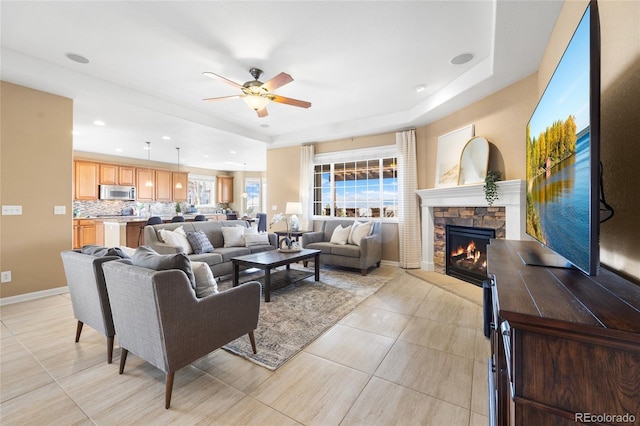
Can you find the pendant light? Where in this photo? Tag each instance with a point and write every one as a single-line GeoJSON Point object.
{"type": "Point", "coordinates": [179, 184]}
{"type": "Point", "coordinates": [149, 182]}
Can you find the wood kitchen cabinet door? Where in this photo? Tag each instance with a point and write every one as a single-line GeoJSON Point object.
{"type": "Point", "coordinates": [144, 192]}
{"type": "Point", "coordinates": [108, 174]}
{"type": "Point", "coordinates": [126, 176]}
{"type": "Point", "coordinates": [85, 180]}
{"type": "Point", "coordinates": [180, 194]}
{"type": "Point", "coordinates": [164, 191]}
{"type": "Point", "coordinates": [224, 193]}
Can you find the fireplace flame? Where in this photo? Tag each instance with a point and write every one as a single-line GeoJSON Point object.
{"type": "Point", "coordinates": [471, 252]}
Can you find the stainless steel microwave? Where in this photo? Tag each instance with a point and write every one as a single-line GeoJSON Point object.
{"type": "Point", "coordinates": [117, 192]}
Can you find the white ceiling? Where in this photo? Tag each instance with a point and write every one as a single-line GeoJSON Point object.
{"type": "Point", "coordinates": [358, 63]}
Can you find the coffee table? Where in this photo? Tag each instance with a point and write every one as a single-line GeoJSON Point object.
{"type": "Point", "coordinates": [268, 260]}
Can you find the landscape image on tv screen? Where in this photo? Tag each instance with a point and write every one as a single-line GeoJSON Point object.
{"type": "Point", "coordinates": [558, 156]}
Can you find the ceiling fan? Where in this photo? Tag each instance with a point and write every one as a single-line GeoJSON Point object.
{"type": "Point", "coordinates": [258, 94]}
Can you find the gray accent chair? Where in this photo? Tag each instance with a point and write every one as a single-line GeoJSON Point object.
{"type": "Point", "coordinates": [88, 292]}
{"type": "Point", "coordinates": [158, 317]}
{"type": "Point", "coordinates": [362, 257]}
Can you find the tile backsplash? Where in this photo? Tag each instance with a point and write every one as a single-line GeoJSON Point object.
{"type": "Point", "coordinates": [103, 207]}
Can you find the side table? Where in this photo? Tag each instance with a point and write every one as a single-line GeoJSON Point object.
{"type": "Point", "coordinates": [294, 235]}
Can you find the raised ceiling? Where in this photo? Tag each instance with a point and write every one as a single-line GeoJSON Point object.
{"type": "Point", "coordinates": [357, 62]}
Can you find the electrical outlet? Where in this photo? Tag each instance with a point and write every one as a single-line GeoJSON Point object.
{"type": "Point", "coordinates": [59, 209]}
{"type": "Point", "coordinates": [11, 210]}
{"type": "Point", "coordinates": [274, 207]}
{"type": "Point", "coordinates": [5, 276]}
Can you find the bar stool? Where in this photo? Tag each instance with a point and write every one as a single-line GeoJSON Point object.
{"type": "Point", "coordinates": [177, 219]}
{"type": "Point", "coordinates": [199, 218]}
{"type": "Point", "coordinates": [153, 220]}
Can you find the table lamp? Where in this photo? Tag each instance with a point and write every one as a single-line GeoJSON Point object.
{"type": "Point", "coordinates": [293, 209]}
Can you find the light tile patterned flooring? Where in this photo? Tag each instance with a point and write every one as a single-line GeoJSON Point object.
{"type": "Point", "coordinates": [413, 353]}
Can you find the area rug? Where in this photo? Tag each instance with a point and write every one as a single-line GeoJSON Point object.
{"type": "Point", "coordinates": [300, 312]}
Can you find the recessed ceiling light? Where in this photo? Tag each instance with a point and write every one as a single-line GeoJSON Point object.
{"type": "Point", "coordinates": [233, 152]}
{"type": "Point", "coordinates": [99, 123]}
{"type": "Point", "coordinates": [462, 59]}
{"type": "Point", "coordinates": [264, 126]}
{"type": "Point", "coordinates": [118, 149]}
{"type": "Point", "coordinates": [205, 156]}
{"type": "Point", "coordinates": [76, 58]}
{"type": "Point", "coordinates": [420, 88]}
{"type": "Point", "coordinates": [166, 138]}
{"type": "Point", "coordinates": [75, 132]}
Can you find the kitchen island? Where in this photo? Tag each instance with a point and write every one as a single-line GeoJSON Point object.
{"type": "Point", "coordinates": [118, 230]}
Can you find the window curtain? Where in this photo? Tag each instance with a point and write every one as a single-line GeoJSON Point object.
{"type": "Point", "coordinates": [306, 189]}
{"type": "Point", "coordinates": [408, 206]}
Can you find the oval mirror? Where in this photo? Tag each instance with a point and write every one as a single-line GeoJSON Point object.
{"type": "Point", "coordinates": [474, 161]}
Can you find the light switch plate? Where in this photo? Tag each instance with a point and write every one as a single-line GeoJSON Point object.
{"type": "Point", "coordinates": [5, 277]}
{"type": "Point", "coordinates": [11, 210]}
{"type": "Point", "coordinates": [59, 209]}
{"type": "Point", "coordinates": [274, 207]}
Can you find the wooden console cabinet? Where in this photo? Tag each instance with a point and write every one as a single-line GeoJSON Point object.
{"type": "Point", "coordinates": [565, 346]}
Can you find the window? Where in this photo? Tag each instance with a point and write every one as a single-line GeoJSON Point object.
{"type": "Point", "coordinates": [201, 190]}
{"type": "Point", "coordinates": [252, 189]}
{"type": "Point", "coordinates": [359, 188]}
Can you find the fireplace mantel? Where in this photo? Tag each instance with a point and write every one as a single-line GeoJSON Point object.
{"type": "Point", "coordinates": [511, 196]}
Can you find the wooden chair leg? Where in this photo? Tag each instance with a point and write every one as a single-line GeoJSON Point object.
{"type": "Point", "coordinates": [123, 359]}
{"type": "Point", "coordinates": [253, 342]}
{"type": "Point", "coordinates": [169, 389]}
{"type": "Point", "coordinates": [109, 349]}
{"type": "Point", "coordinates": [79, 330]}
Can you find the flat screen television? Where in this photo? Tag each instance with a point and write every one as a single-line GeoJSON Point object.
{"type": "Point", "coordinates": [563, 156]}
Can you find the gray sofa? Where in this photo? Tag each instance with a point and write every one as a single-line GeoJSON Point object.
{"type": "Point", "coordinates": [362, 257]}
{"type": "Point", "coordinates": [220, 259]}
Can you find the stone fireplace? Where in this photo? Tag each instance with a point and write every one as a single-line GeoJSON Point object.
{"type": "Point", "coordinates": [466, 206]}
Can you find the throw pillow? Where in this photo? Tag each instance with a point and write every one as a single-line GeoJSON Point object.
{"type": "Point", "coordinates": [248, 230]}
{"type": "Point", "coordinates": [177, 238]}
{"type": "Point", "coordinates": [359, 231]}
{"type": "Point", "coordinates": [146, 257]}
{"type": "Point", "coordinates": [233, 236]}
{"type": "Point", "coordinates": [205, 282]}
{"type": "Point", "coordinates": [259, 239]}
{"type": "Point", "coordinates": [340, 235]}
{"type": "Point", "coordinates": [199, 242]}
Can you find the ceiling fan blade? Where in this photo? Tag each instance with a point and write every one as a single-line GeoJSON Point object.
{"type": "Point", "coordinates": [278, 81]}
{"type": "Point", "coordinates": [290, 101]}
{"type": "Point", "coordinates": [222, 98]}
{"type": "Point", "coordinates": [262, 112]}
{"type": "Point", "coordinates": [221, 78]}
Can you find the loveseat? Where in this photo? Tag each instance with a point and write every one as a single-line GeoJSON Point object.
{"type": "Point", "coordinates": [219, 258]}
{"type": "Point", "coordinates": [360, 251]}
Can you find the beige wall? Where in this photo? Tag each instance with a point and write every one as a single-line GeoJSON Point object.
{"type": "Point", "coordinates": [36, 151]}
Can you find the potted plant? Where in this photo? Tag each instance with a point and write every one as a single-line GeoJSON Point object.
{"type": "Point", "coordinates": [490, 187]}
{"type": "Point", "coordinates": [178, 208]}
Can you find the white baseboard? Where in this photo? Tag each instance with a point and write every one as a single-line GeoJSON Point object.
{"type": "Point", "coordinates": [390, 263]}
{"type": "Point", "coordinates": [34, 295]}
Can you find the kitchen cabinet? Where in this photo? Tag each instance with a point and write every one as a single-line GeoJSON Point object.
{"type": "Point", "coordinates": [133, 232]}
{"type": "Point", "coordinates": [144, 192]}
{"type": "Point", "coordinates": [112, 174]}
{"type": "Point", "coordinates": [163, 188]}
{"type": "Point", "coordinates": [84, 232]}
{"type": "Point", "coordinates": [179, 194]}
{"type": "Point", "coordinates": [224, 193]}
{"type": "Point", "coordinates": [564, 345]}
{"type": "Point", "coordinates": [108, 174]}
{"type": "Point", "coordinates": [126, 176]}
{"type": "Point", "coordinates": [85, 178]}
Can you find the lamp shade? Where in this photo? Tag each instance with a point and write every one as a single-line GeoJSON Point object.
{"type": "Point", "coordinates": [293, 208]}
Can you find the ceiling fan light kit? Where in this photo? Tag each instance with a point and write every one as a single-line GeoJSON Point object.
{"type": "Point", "coordinates": [257, 94]}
